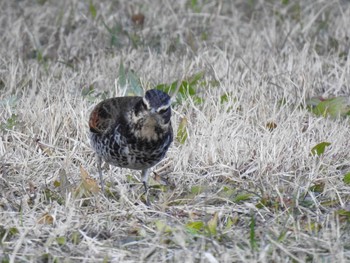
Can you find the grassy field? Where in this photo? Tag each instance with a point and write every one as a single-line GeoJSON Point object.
{"type": "Point", "coordinates": [260, 167]}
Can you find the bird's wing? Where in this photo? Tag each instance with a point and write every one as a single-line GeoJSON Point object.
{"type": "Point", "coordinates": [110, 113]}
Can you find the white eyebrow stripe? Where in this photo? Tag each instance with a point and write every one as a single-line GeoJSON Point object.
{"type": "Point", "coordinates": [146, 103]}
{"type": "Point", "coordinates": [164, 107]}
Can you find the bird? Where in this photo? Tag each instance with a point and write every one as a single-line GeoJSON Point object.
{"type": "Point", "coordinates": [132, 132]}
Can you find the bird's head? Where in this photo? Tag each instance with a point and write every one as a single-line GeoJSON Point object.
{"type": "Point", "coordinates": [155, 105]}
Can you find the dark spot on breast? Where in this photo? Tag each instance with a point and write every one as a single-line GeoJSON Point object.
{"type": "Point", "coordinates": [159, 130]}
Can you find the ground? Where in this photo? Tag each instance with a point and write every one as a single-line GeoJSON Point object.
{"type": "Point", "coordinates": [259, 170]}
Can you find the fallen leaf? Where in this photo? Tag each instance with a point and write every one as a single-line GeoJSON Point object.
{"type": "Point", "coordinates": [87, 185]}
{"type": "Point", "coordinates": [182, 133]}
{"type": "Point", "coordinates": [138, 19]}
{"type": "Point", "coordinates": [319, 148]}
{"type": "Point", "coordinates": [271, 126]}
{"type": "Point", "coordinates": [46, 219]}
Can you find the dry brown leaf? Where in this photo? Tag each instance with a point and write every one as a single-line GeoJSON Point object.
{"type": "Point", "coordinates": [46, 219]}
{"type": "Point", "coordinates": [271, 125]}
{"type": "Point", "coordinates": [45, 149]}
{"type": "Point", "coordinates": [138, 19]}
{"type": "Point", "coordinates": [88, 185]}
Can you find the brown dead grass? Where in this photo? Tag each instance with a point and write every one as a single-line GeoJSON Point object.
{"type": "Point", "coordinates": [243, 186]}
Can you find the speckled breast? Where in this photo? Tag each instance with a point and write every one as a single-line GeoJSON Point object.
{"type": "Point", "coordinates": [130, 152]}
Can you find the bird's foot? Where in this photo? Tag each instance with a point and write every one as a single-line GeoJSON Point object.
{"type": "Point", "coordinates": [148, 203]}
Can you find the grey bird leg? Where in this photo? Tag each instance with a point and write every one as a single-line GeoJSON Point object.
{"type": "Point", "coordinates": [145, 174]}
{"type": "Point", "coordinates": [99, 168]}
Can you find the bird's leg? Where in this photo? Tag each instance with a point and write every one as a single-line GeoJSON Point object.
{"type": "Point", "coordinates": [99, 168]}
{"type": "Point", "coordinates": [145, 174]}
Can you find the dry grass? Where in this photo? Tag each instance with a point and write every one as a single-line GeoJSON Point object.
{"type": "Point", "coordinates": [237, 191]}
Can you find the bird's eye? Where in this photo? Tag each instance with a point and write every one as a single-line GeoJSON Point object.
{"type": "Point", "coordinates": [162, 111]}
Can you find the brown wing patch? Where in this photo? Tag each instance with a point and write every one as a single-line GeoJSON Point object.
{"type": "Point", "coordinates": [100, 118]}
{"type": "Point", "coordinates": [110, 112]}
{"type": "Point", "coordinates": [94, 121]}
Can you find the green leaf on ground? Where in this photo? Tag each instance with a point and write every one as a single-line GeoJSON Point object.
{"type": "Point", "coordinates": [163, 227]}
{"type": "Point", "coordinates": [10, 123]}
{"type": "Point", "coordinates": [212, 224]}
{"type": "Point", "coordinates": [253, 242]}
{"type": "Point", "coordinates": [333, 107]}
{"type": "Point", "coordinates": [195, 6]}
{"type": "Point", "coordinates": [182, 133]}
{"type": "Point", "coordinates": [317, 188]}
{"type": "Point", "coordinates": [7, 233]}
{"type": "Point", "coordinates": [87, 90]}
{"type": "Point", "coordinates": [75, 238]}
{"type": "Point", "coordinates": [197, 189]}
{"type": "Point", "coordinates": [242, 197]}
{"type": "Point", "coordinates": [130, 81]}
{"type": "Point", "coordinates": [319, 148]}
{"type": "Point", "coordinates": [61, 240]}
{"type": "Point", "coordinates": [135, 87]}
{"type": "Point", "coordinates": [229, 224]}
{"type": "Point", "coordinates": [344, 214]}
{"type": "Point", "coordinates": [92, 9]}
{"type": "Point", "coordinates": [346, 178]}
{"type": "Point", "coordinates": [114, 33]}
{"type": "Point", "coordinates": [187, 88]}
{"type": "Point", "coordinates": [195, 227]}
